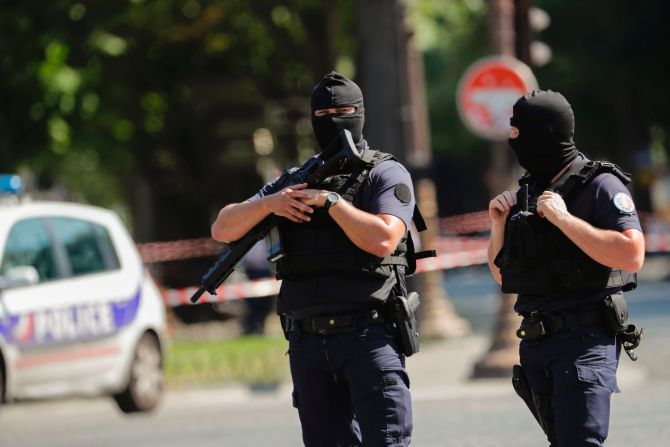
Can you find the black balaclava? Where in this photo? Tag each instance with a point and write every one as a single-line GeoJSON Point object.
{"type": "Point", "coordinates": [546, 126]}
{"type": "Point", "coordinates": [336, 90]}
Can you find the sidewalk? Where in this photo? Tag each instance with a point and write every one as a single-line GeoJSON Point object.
{"type": "Point", "coordinates": [440, 371]}
{"type": "Point", "coordinates": [443, 369]}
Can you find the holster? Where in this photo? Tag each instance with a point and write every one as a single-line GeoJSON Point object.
{"type": "Point", "coordinates": [615, 311]}
{"type": "Point", "coordinates": [284, 325]}
{"type": "Point", "coordinates": [402, 313]}
{"type": "Point", "coordinates": [536, 403]}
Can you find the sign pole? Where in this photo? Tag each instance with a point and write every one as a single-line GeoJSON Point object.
{"type": "Point", "coordinates": [486, 95]}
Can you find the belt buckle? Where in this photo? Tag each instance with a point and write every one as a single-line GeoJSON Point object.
{"type": "Point", "coordinates": [318, 329]}
{"type": "Point", "coordinates": [326, 325]}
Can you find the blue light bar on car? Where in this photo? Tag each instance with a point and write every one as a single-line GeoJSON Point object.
{"type": "Point", "coordinates": [10, 184]}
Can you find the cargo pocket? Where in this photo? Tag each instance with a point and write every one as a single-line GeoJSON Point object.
{"type": "Point", "coordinates": [398, 405]}
{"type": "Point", "coordinates": [598, 364]}
{"type": "Point", "coordinates": [602, 375]}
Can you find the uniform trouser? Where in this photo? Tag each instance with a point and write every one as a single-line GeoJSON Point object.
{"type": "Point", "coordinates": [351, 388]}
{"type": "Point", "coordinates": [577, 370]}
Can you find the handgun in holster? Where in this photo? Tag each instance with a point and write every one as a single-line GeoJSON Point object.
{"type": "Point", "coordinates": [616, 320]}
{"type": "Point", "coordinates": [402, 312]}
{"type": "Point", "coordinates": [538, 404]}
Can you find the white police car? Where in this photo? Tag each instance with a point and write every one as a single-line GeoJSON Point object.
{"type": "Point", "coordinates": [78, 312]}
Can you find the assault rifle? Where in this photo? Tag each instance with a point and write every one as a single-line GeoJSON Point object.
{"type": "Point", "coordinates": [313, 172]}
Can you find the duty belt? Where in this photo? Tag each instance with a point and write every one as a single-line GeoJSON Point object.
{"type": "Point", "coordinates": [540, 324]}
{"type": "Point", "coordinates": [332, 324]}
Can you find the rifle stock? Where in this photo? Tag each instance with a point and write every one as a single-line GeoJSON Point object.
{"type": "Point", "coordinates": [313, 172]}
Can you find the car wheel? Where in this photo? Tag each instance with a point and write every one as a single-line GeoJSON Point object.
{"type": "Point", "coordinates": [2, 383]}
{"type": "Point", "coordinates": [145, 379]}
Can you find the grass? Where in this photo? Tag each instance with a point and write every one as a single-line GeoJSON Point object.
{"type": "Point", "coordinates": [257, 361]}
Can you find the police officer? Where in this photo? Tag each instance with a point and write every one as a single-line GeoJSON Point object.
{"type": "Point", "coordinates": [345, 250]}
{"type": "Point", "coordinates": [568, 242]}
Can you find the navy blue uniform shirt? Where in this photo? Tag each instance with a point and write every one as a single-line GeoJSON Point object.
{"type": "Point", "coordinates": [596, 204]}
{"type": "Point", "coordinates": [378, 191]}
{"type": "Point", "coordinates": [377, 196]}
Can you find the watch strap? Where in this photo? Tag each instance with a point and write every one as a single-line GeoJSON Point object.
{"type": "Point", "coordinates": [329, 202]}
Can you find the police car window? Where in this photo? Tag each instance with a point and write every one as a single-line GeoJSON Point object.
{"type": "Point", "coordinates": [87, 245]}
{"type": "Point", "coordinates": [28, 243]}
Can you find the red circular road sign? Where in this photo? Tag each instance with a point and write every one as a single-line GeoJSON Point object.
{"type": "Point", "coordinates": [488, 90]}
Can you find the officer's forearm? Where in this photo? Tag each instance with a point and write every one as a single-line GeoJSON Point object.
{"type": "Point", "coordinates": [369, 232]}
{"type": "Point", "coordinates": [619, 250]}
{"type": "Point", "coordinates": [237, 219]}
{"type": "Point", "coordinates": [495, 245]}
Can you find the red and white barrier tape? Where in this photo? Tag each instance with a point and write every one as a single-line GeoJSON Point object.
{"type": "Point", "coordinates": [270, 286]}
{"type": "Point", "coordinates": [477, 222]}
{"type": "Point", "coordinates": [452, 252]}
{"type": "Point", "coordinates": [458, 252]}
{"type": "Point", "coordinates": [657, 243]}
{"type": "Point", "coordinates": [470, 223]}
{"type": "Point", "coordinates": [177, 250]}
{"type": "Point", "coordinates": [226, 292]}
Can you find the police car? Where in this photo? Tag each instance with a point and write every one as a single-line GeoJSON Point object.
{"type": "Point", "coordinates": [78, 312]}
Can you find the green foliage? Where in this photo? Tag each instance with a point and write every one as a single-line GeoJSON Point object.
{"type": "Point", "coordinates": [609, 59]}
{"type": "Point", "coordinates": [110, 98]}
{"type": "Point", "coordinates": [160, 93]}
{"type": "Point", "coordinates": [250, 360]}
{"type": "Point", "coordinates": [451, 34]}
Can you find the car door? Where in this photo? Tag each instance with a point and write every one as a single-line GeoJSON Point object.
{"type": "Point", "coordinates": [64, 327]}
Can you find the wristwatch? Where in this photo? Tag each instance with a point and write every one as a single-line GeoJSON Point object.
{"type": "Point", "coordinates": [331, 199]}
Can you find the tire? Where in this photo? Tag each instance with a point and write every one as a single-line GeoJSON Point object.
{"type": "Point", "coordinates": [145, 378]}
{"type": "Point", "coordinates": [2, 382]}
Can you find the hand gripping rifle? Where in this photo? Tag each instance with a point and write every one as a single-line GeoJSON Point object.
{"type": "Point", "coordinates": [312, 172]}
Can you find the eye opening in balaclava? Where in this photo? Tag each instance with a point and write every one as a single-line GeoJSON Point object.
{"type": "Point", "coordinates": [332, 92]}
{"type": "Point", "coordinates": [345, 110]}
{"type": "Point", "coordinates": [545, 125]}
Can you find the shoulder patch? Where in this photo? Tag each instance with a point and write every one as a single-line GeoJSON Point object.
{"type": "Point", "coordinates": [624, 203]}
{"type": "Point", "coordinates": [403, 193]}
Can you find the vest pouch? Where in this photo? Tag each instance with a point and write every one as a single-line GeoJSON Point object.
{"type": "Point", "coordinates": [521, 245]}
{"type": "Point", "coordinates": [508, 256]}
{"type": "Point", "coordinates": [529, 237]}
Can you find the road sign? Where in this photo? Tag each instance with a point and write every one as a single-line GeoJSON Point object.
{"type": "Point", "coordinates": [488, 90]}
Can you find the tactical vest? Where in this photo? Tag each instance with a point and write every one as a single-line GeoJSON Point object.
{"type": "Point", "coordinates": [320, 245]}
{"type": "Point", "coordinates": [538, 259]}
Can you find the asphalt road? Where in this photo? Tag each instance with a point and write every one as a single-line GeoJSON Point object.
{"type": "Point", "coordinates": [449, 409]}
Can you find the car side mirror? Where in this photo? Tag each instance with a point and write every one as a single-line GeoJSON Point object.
{"type": "Point", "coordinates": [20, 276]}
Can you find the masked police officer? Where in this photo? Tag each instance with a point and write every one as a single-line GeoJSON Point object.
{"type": "Point", "coordinates": [345, 256]}
{"type": "Point", "coordinates": [568, 242]}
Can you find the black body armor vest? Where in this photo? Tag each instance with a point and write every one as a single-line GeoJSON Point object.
{"type": "Point", "coordinates": [320, 245]}
{"type": "Point", "coordinates": [538, 259]}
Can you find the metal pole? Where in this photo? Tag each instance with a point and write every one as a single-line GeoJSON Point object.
{"type": "Point", "coordinates": [503, 351]}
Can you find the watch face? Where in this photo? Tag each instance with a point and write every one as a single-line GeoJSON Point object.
{"type": "Point", "coordinates": [331, 199]}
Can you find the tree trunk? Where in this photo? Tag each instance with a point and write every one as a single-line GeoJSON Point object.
{"type": "Point", "coordinates": [392, 79]}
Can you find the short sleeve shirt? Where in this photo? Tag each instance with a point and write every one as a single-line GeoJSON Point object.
{"type": "Point", "coordinates": [605, 203]}
{"type": "Point", "coordinates": [388, 189]}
